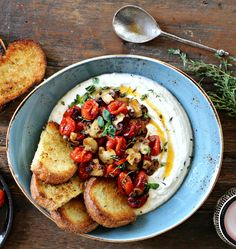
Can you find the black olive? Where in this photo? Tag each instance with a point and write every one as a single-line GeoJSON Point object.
{"type": "Point", "coordinates": [131, 113]}
{"type": "Point", "coordinates": [144, 109]}
{"type": "Point", "coordinates": [100, 101]}
{"type": "Point", "coordinates": [119, 127]}
{"type": "Point", "coordinates": [113, 117]}
{"type": "Point", "coordinates": [75, 114]}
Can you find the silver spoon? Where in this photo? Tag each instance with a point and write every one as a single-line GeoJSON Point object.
{"type": "Point", "coordinates": [133, 24]}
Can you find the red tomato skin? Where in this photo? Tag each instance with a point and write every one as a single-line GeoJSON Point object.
{"type": "Point", "coordinates": [155, 144]}
{"type": "Point", "coordinates": [132, 129]}
{"type": "Point", "coordinates": [112, 170]}
{"type": "Point", "coordinates": [84, 171]}
{"type": "Point", "coordinates": [69, 111]}
{"type": "Point", "coordinates": [125, 184]}
{"type": "Point", "coordinates": [67, 126]}
{"type": "Point", "coordinates": [118, 144]}
{"type": "Point", "coordinates": [89, 109]}
{"type": "Point", "coordinates": [137, 202]}
{"type": "Point", "coordinates": [140, 181]}
{"type": "Point", "coordinates": [116, 107]}
{"type": "Point", "coordinates": [2, 198]}
{"type": "Point", "coordinates": [80, 155]}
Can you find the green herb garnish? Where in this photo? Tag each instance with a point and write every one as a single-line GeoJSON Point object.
{"type": "Point", "coordinates": [91, 89]}
{"type": "Point", "coordinates": [95, 80]}
{"type": "Point", "coordinates": [162, 164]}
{"type": "Point", "coordinates": [152, 186]}
{"type": "Point", "coordinates": [100, 122]}
{"type": "Point", "coordinates": [224, 96]}
{"type": "Point", "coordinates": [63, 102]}
{"type": "Point", "coordinates": [106, 115]}
{"type": "Point", "coordinates": [144, 96]}
{"type": "Point", "coordinates": [122, 95]}
{"type": "Point", "coordinates": [132, 142]}
{"type": "Point", "coordinates": [146, 115]}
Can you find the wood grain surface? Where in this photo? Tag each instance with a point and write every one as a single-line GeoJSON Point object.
{"type": "Point", "coordinates": [73, 30]}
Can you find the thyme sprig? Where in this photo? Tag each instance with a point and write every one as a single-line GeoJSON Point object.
{"type": "Point", "coordinates": [222, 76]}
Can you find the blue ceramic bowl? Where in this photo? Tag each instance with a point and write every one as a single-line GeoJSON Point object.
{"type": "Point", "coordinates": [31, 115]}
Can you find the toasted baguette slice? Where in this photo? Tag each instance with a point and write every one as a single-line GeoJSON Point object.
{"type": "Point", "coordinates": [52, 197]}
{"type": "Point", "coordinates": [52, 163]}
{"type": "Point", "coordinates": [106, 205]}
{"type": "Point", "coordinates": [73, 217]}
{"type": "Point", "coordinates": [22, 66]}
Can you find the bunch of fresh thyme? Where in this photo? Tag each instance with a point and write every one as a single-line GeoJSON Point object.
{"type": "Point", "coordinates": [224, 96]}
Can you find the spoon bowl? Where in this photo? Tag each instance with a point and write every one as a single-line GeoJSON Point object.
{"type": "Point", "coordinates": [133, 24]}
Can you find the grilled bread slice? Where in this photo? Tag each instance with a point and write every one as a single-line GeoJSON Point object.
{"type": "Point", "coordinates": [73, 217]}
{"type": "Point", "coordinates": [106, 205]}
{"type": "Point", "coordinates": [22, 66]}
{"type": "Point", "coordinates": [52, 163]}
{"type": "Point", "coordinates": [52, 197]}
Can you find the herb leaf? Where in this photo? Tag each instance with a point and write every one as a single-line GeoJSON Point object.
{"type": "Point", "coordinates": [152, 186]}
{"type": "Point", "coordinates": [111, 131]}
{"type": "Point", "coordinates": [106, 115]}
{"type": "Point", "coordinates": [144, 96]}
{"type": "Point", "coordinates": [100, 121]}
{"type": "Point", "coordinates": [91, 89]}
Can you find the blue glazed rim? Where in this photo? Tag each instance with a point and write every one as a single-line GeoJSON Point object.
{"type": "Point", "coordinates": [207, 193]}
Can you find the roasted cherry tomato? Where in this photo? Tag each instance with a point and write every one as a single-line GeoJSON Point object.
{"type": "Point", "coordinates": [112, 170]}
{"type": "Point", "coordinates": [84, 171]}
{"type": "Point", "coordinates": [118, 144]}
{"type": "Point", "coordinates": [101, 141]}
{"type": "Point", "coordinates": [80, 126]}
{"type": "Point", "coordinates": [121, 161]}
{"type": "Point", "coordinates": [155, 145]}
{"type": "Point", "coordinates": [67, 126]}
{"type": "Point", "coordinates": [80, 155]}
{"type": "Point", "coordinates": [89, 109]}
{"type": "Point", "coordinates": [140, 183]}
{"type": "Point", "coordinates": [132, 129]}
{"type": "Point", "coordinates": [116, 107]}
{"type": "Point", "coordinates": [137, 202]}
{"type": "Point", "coordinates": [2, 197]}
{"type": "Point", "coordinates": [125, 184]}
{"type": "Point", "coordinates": [72, 112]}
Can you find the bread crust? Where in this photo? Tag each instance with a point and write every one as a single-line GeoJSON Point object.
{"type": "Point", "coordinates": [37, 68]}
{"type": "Point", "coordinates": [38, 194]}
{"type": "Point", "coordinates": [65, 222]}
{"type": "Point", "coordinates": [103, 216]}
{"type": "Point", "coordinates": [41, 170]}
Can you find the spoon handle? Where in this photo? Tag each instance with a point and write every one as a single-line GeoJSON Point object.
{"type": "Point", "coordinates": [220, 52]}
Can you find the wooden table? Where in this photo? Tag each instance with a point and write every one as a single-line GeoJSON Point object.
{"type": "Point", "coordinates": [70, 31]}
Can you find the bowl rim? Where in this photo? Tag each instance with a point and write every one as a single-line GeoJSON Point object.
{"type": "Point", "coordinates": [10, 210]}
{"type": "Point", "coordinates": [108, 57]}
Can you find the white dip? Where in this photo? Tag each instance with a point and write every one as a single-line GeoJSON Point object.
{"type": "Point", "coordinates": [169, 121]}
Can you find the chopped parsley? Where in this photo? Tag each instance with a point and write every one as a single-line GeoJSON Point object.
{"type": "Point", "coordinates": [63, 102]}
{"type": "Point", "coordinates": [95, 80]}
{"type": "Point", "coordinates": [146, 115]}
{"type": "Point", "coordinates": [152, 186]}
{"type": "Point", "coordinates": [154, 93]}
{"type": "Point", "coordinates": [162, 164]}
{"type": "Point", "coordinates": [123, 95]}
{"type": "Point", "coordinates": [144, 96]}
{"type": "Point", "coordinates": [91, 89]}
